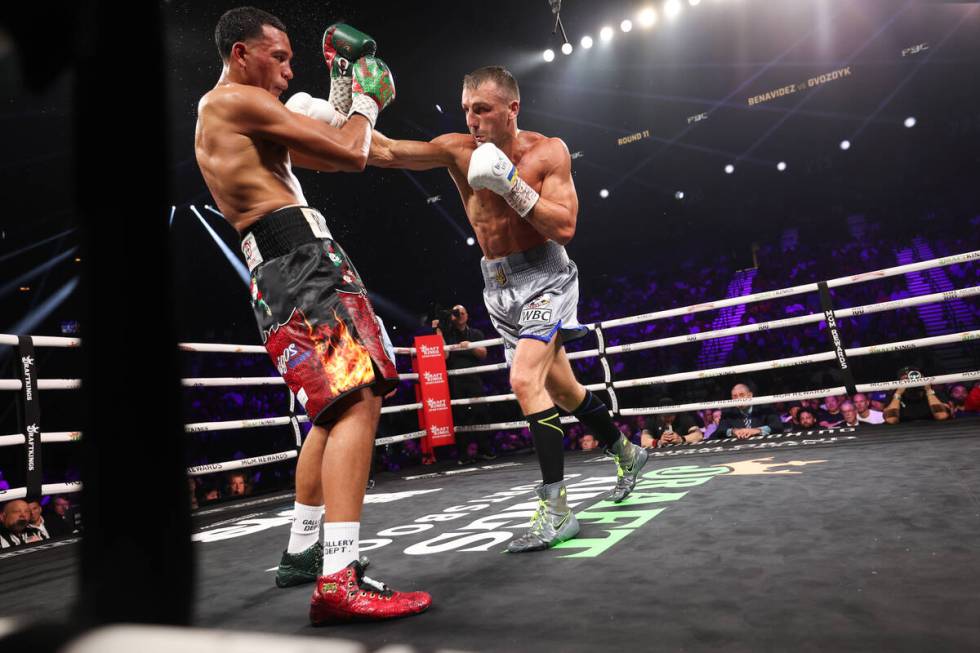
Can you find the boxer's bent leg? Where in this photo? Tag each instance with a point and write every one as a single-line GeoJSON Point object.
{"type": "Point", "coordinates": [532, 359]}
{"type": "Point", "coordinates": [309, 489]}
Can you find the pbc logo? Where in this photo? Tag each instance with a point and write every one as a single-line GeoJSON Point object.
{"type": "Point", "coordinates": [429, 352]}
{"type": "Point", "coordinates": [433, 378]}
{"type": "Point", "coordinates": [535, 315]}
{"type": "Point", "coordinates": [436, 404]}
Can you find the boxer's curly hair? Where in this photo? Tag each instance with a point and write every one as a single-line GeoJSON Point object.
{"type": "Point", "coordinates": [241, 24]}
{"type": "Point", "coordinates": [496, 74]}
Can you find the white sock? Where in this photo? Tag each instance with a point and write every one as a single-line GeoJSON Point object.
{"type": "Point", "coordinates": [340, 545]}
{"type": "Point", "coordinates": [305, 531]}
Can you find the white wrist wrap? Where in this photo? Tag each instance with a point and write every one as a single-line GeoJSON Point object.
{"type": "Point", "coordinates": [340, 93]}
{"type": "Point", "coordinates": [365, 106]}
{"type": "Point", "coordinates": [521, 197]}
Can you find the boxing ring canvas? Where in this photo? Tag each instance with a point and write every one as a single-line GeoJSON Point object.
{"type": "Point", "coordinates": [825, 540]}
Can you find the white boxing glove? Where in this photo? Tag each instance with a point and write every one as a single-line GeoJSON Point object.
{"type": "Point", "coordinates": [491, 169]}
{"type": "Point", "coordinates": [316, 108]}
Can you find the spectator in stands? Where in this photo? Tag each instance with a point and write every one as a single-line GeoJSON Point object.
{"type": "Point", "coordinates": [59, 518]}
{"type": "Point", "coordinates": [587, 442]}
{"type": "Point", "coordinates": [915, 403]}
{"type": "Point", "coordinates": [866, 413]}
{"type": "Point", "coordinates": [831, 415]}
{"type": "Point", "coordinates": [37, 521]}
{"type": "Point", "coordinates": [807, 418]}
{"type": "Point", "coordinates": [711, 418]}
{"type": "Point", "coordinates": [878, 401]}
{"type": "Point", "coordinates": [16, 528]}
{"type": "Point", "coordinates": [957, 398]}
{"type": "Point", "coordinates": [746, 421]}
{"type": "Point", "coordinates": [670, 428]}
{"type": "Point", "coordinates": [459, 332]}
{"type": "Point", "coordinates": [849, 412]}
{"type": "Point", "coordinates": [237, 485]}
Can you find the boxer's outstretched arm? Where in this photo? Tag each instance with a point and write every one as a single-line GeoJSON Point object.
{"type": "Point", "coordinates": [410, 155]}
{"type": "Point", "coordinates": [556, 211]}
{"type": "Point", "coordinates": [312, 143]}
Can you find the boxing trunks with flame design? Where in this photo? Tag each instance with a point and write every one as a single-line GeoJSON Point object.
{"type": "Point", "coordinates": [313, 312]}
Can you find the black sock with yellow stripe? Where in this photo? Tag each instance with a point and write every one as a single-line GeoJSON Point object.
{"type": "Point", "coordinates": [549, 440]}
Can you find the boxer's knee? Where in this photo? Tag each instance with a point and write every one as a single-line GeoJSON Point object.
{"type": "Point", "coordinates": [526, 383]}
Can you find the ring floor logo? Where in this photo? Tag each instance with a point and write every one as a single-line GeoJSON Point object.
{"type": "Point", "coordinates": [480, 524]}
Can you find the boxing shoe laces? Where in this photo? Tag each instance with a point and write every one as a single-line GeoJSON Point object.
{"type": "Point", "coordinates": [627, 471]}
{"type": "Point", "coordinates": [553, 521]}
{"type": "Point", "coordinates": [305, 566]}
{"type": "Point", "coordinates": [348, 595]}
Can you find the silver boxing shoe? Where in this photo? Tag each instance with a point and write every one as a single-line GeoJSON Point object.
{"type": "Point", "coordinates": [553, 521]}
{"type": "Point", "coordinates": [630, 459]}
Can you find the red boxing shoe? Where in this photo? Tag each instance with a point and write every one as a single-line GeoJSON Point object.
{"type": "Point", "coordinates": [348, 595]}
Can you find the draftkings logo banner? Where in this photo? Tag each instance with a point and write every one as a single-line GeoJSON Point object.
{"type": "Point", "coordinates": [435, 417]}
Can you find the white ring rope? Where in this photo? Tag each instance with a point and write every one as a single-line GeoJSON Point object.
{"type": "Point", "coordinates": [46, 490]}
{"type": "Point", "coordinates": [55, 436]}
{"type": "Point", "coordinates": [64, 384]}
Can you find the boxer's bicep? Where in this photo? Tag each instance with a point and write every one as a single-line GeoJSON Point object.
{"type": "Point", "coordinates": [319, 145]}
{"type": "Point", "coordinates": [558, 187]}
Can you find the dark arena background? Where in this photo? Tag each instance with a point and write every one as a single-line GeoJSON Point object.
{"type": "Point", "coordinates": [775, 198]}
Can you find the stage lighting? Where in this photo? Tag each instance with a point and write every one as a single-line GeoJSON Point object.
{"type": "Point", "coordinates": [606, 33]}
{"type": "Point", "coordinates": [647, 17]}
{"type": "Point", "coordinates": [910, 122]}
{"type": "Point", "coordinates": [470, 241]}
{"type": "Point", "coordinates": [679, 195]}
{"type": "Point", "coordinates": [729, 169]}
{"type": "Point", "coordinates": [586, 42]}
{"type": "Point", "coordinates": [845, 145]}
{"type": "Point", "coordinates": [694, 3]}
{"type": "Point", "coordinates": [549, 55]}
{"type": "Point", "coordinates": [566, 48]}
{"type": "Point", "coordinates": [603, 193]}
{"type": "Point", "coordinates": [672, 8]}
{"type": "Point", "coordinates": [781, 166]}
{"type": "Point", "coordinates": [626, 25]}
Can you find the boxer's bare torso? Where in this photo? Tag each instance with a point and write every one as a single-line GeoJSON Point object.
{"type": "Point", "coordinates": [248, 176]}
{"type": "Point", "coordinates": [499, 230]}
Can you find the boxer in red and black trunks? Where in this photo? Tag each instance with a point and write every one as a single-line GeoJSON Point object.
{"type": "Point", "coordinates": [310, 303]}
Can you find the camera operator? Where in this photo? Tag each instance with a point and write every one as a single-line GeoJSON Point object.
{"type": "Point", "coordinates": [915, 403]}
{"type": "Point", "coordinates": [455, 330]}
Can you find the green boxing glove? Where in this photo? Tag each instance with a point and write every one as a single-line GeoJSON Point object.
{"type": "Point", "coordinates": [373, 88]}
{"type": "Point", "coordinates": [343, 45]}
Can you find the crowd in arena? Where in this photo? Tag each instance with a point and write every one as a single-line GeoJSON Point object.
{"type": "Point", "coordinates": [787, 261]}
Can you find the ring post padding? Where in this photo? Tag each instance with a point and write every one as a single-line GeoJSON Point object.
{"type": "Point", "coordinates": [294, 422]}
{"type": "Point", "coordinates": [827, 305]}
{"type": "Point", "coordinates": [606, 371]}
{"type": "Point", "coordinates": [29, 414]}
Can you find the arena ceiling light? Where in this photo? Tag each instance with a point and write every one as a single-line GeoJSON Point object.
{"type": "Point", "coordinates": [672, 8]}
{"type": "Point", "coordinates": [606, 34]}
{"type": "Point", "coordinates": [647, 17]}
{"type": "Point", "coordinates": [603, 193]}
{"type": "Point", "coordinates": [566, 48]}
{"type": "Point", "coordinates": [586, 42]}
{"type": "Point", "coordinates": [679, 195]}
{"type": "Point", "coordinates": [549, 55]}
{"type": "Point", "coordinates": [910, 122]}
{"type": "Point", "coordinates": [845, 144]}
{"type": "Point", "coordinates": [694, 3]}
{"type": "Point", "coordinates": [781, 166]}
{"type": "Point", "coordinates": [729, 169]}
{"type": "Point", "coordinates": [470, 241]}
{"type": "Point", "coordinates": [626, 25]}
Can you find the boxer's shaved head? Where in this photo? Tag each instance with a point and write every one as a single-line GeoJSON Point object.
{"type": "Point", "coordinates": [499, 76]}
{"type": "Point", "coordinates": [242, 24]}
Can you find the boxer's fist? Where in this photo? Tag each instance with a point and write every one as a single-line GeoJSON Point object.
{"type": "Point", "coordinates": [342, 46]}
{"type": "Point", "coordinates": [316, 108]}
{"type": "Point", "coordinates": [491, 169]}
{"type": "Point", "coordinates": [373, 88]}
